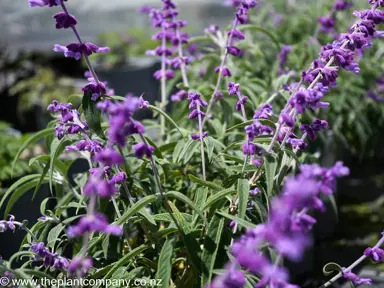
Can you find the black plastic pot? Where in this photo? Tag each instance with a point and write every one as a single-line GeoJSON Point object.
{"type": "Point", "coordinates": [136, 78]}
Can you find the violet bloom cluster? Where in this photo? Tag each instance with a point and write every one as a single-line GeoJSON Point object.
{"type": "Point", "coordinates": [122, 124]}
{"type": "Point", "coordinates": [69, 119]}
{"type": "Point", "coordinates": [49, 258]}
{"type": "Point", "coordinates": [196, 103]}
{"type": "Point", "coordinates": [235, 35]}
{"type": "Point", "coordinates": [341, 54]}
{"type": "Point", "coordinates": [356, 279]}
{"type": "Point", "coordinates": [286, 230]}
{"type": "Point", "coordinates": [165, 19]}
{"type": "Point", "coordinates": [78, 49]}
{"type": "Point", "coordinates": [328, 22]}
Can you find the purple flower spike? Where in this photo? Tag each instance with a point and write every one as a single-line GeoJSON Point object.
{"type": "Point", "coordinates": [236, 34]}
{"type": "Point", "coordinates": [264, 112]}
{"type": "Point", "coordinates": [287, 119]}
{"type": "Point", "coordinates": [64, 20]}
{"type": "Point", "coordinates": [142, 149]}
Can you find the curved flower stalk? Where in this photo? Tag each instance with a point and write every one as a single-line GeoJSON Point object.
{"type": "Point", "coordinates": [196, 104]}
{"type": "Point", "coordinates": [166, 20]}
{"type": "Point", "coordinates": [324, 72]}
{"type": "Point", "coordinates": [223, 70]}
{"type": "Point", "coordinates": [375, 253]}
{"type": "Point", "coordinates": [286, 230]}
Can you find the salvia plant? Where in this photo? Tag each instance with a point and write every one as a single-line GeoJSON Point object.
{"type": "Point", "coordinates": [220, 189]}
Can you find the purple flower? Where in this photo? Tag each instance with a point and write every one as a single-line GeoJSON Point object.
{"type": "Point", "coordinates": [80, 265]}
{"type": "Point", "coordinates": [42, 3]}
{"type": "Point", "coordinates": [376, 254]}
{"type": "Point", "coordinates": [98, 185]}
{"type": "Point", "coordinates": [179, 96]}
{"type": "Point", "coordinates": [251, 149]}
{"type": "Point", "coordinates": [76, 50]}
{"type": "Point", "coordinates": [50, 259]}
{"type": "Point", "coordinates": [168, 74]}
{"type": "Point", "coordinates": [232, 278]}
{"type": "Point", "coordinates": [254, 192]}
{"type": "Point", "coordinates": [264, 112]}
{"type": "Point", "coordinates": [233, 50]}
{"type": "Point", "coordinates": [327, 24]}
{"type": "Point", "coordinates": [376, 3]}
{"type": "Point", "coordinates": [9, 225]}
{"type": "Point", "coordinates": [287, 120]}
{"type": "Point", "coordinates": [377, 16]}
{"type": "Point", "coordinates": [243, 100]}
{"type": "Point", "coordinates": [283, 57]}
{"type": "Point", "coordinates": [142, 149]}
{"type": "Point", "coordinates": [143, 104]}
{"type": "Point", "coordinates": [313, 129]}
{"type": "Point", "coordinates": [92, 146]}
{"type": "Point", "coordinates": [197, 136]}
{"type": "Point", "coordinates": [212, 29]}
{"type": "Point", "coordinates": [236, 34]}
{"type": "Point", "coordinates": [119, 177]}
{"type": "Point", "coordinates": [94, 223]}
{"type": "Point", "coordinates": [354, 278]}
{"type": "Point", "coordinates": [95, 89]}
{"type": "Point", "coordinates": [109, 157]}
{"type": "Point", "coordinates": [341, 5]}
{"type": "Point", "coordinates": [224, 70]}
{"type": "Point", "coordinates": [64, 20]}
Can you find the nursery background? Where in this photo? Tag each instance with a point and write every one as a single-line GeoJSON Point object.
{"type": "Point", "coordinates": [178, 203]}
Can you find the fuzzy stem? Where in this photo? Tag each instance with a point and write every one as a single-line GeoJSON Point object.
{"type": "Point", "coordinates": [201, 141]}
{"type": "Point", "coordinates": [220, 75]}
{"type": "Point", "coordinates": [183, 67]}
{"type": "Point", "coordinates": [353, 265]}
{"type": "Point", "coordinates": [163, 82]}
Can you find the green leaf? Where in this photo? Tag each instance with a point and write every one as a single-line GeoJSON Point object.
{"type": "Point", "coordinates": [31, 140]}
{"type": "Point", "coordinates": [210, 146]}
{"type": "Point", "coordinates": [53, 235]}
{"type": "Point", "coordinates": [177, 151]}
{"type": "Point", "coordinates": [186, 200]}
{"type": "Point", "coordinates": [113, 267]}
{"type": "Point", "coordinates": [270, 171]}
{"type": "Point", "coordinates": [57, 146]}
{"type": "Point", "coordinates": [239, 221]}
{"type": "Point", "coordinates": [330, 268]}
{"type": "Point", "coordinates": [218, 196]}
{"type": "Point", "coordinates": [166, 117]}
{"type": "Point", "coordinates": [136, 208]}
{"type": "Point", "coordinates": [243, 194]}
{"type": "Point", "coordinates": [208, 184]}
{"type": "Point", "coordinates": [45, 171]}
{"type": "Point", "coordinates": [249, 122]}
{"type": "Point", "coordinates": [164, 266]}
{"type": "Point", "coordinates": [189, 152]}
{"type": "Point", "coordinates": [184, 225]}
{"type": "Point", "coordinates": [92, 115]}
{"type": "Point", "coordinates": [211, 246]}
{"type": "Point", "coordinates": [199, 39]}
{"type": "Point", "coordinates": [20, 191]}
{"type": "Point", "coordinates": [262, 30]}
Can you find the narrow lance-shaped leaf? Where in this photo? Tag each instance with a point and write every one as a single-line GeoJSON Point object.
{"type": "Point", "coordinates": [164, 267]}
